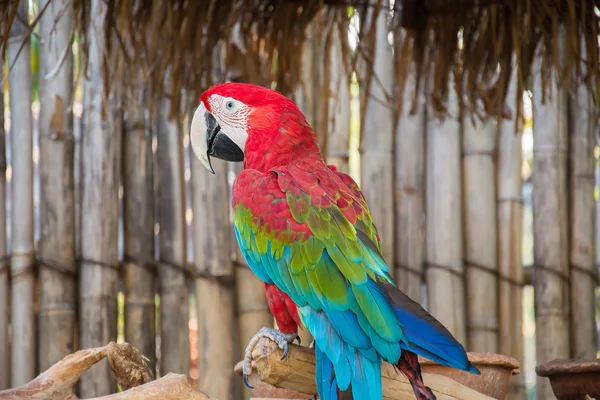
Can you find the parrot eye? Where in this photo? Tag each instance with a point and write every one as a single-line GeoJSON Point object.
{"type": "Point", "coordinates": [230, 105]}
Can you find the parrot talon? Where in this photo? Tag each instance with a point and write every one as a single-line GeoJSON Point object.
{"type": "Point", "coordinates": [312, 345]}
{"type": "Point", "coordinates": [282, 340]}
{"type": "Point", "coordinates": [247, 383]}
{"type": "Point", "coordinates": [299, 340]}
{"type": "Point", "coordinates": [285, 351]}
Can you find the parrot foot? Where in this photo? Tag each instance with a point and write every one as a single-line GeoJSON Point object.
{"type": "Point", "coordinates": [312, 345]}
{"type": "Point", "coordinates": [282, 340]}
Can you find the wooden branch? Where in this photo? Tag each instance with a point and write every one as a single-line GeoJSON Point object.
{"type": "Point", "coordinates": [128, 368]}
{"type": "Point", "coordinates": [297, 372]}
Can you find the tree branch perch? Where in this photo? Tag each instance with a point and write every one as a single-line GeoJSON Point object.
{"type": "Point", "coordinates": [297, 373]}
{"type": "Point", "coordinates": [128, 368]}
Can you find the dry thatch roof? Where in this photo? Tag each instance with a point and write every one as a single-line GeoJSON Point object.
{"type": "Point", "coordinates": [471, 46]}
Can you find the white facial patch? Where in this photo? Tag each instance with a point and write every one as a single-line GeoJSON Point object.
{"type": "Point", "coordinates": [232, 116]}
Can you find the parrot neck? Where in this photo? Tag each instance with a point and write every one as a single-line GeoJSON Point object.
{"type": "Point", "coordinates": [281, 145]}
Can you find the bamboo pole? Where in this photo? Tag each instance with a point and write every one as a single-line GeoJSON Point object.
{"type": "Point", "coordinates": [321, 79]}
{"type": "Point", "coordinates": [253, 311]}
{"type": "Point", "coordinates": [444, 240]}
{"type": "Point", "coordinates": [410, 193]}
{"type": "Point", "coordinates": [215, 291]}
{"type": "Point", "coordinates": [174, 296]}
{"type": "Point", "coordinates": [57, 214]}
{"type": "Point", "coordinates": [481, 236]}
{"type": "Point", "coordinates": [510, 235]}
{"type": "Point", "coordinates": [338, 115]}
{"type": "Point", "coordinates": [252, 308]}
{"type": "Point", "coordinates": [22, 252]}
{"type": "Point", "coordinates": [4, 283]}
{"type": "Point", "coordinates": [377, 132]}
{"type": "Point", "coordinates": [304, 93]}
{"type": "Point", "coordinates": [305, 96]}
{"type": "Point", "coordinates": [215, 285]}
{"type": "Point", "coordinates": [99, 210]}
{"type": "Point", "coordinates": [138, 232]}
{"type": "Point", "coordinates": [550, 225]}
{"type": "Point", "coordinates": [584, 275]}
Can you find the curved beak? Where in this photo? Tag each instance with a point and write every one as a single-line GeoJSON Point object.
{"type": "Point", "coordinates": [208, 139]}
{"type": "Point", "coordinates": [199, 135]}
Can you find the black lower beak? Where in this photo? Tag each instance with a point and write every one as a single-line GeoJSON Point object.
{"type": "Point", "coordinates": [219, 144]}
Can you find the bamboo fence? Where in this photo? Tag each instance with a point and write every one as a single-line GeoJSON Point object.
{"type": "Point", "coordinates": [445, 193]}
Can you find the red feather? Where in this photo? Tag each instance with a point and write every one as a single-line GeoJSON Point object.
{"type": "Point", "coordinates": [283, 309]}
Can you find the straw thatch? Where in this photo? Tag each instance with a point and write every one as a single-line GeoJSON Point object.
{"type": "Point", "coordinates": [472, 40]}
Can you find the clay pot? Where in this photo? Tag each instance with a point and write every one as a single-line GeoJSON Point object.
{"type": "Point", "coordinates": [496, 371]}
{"type": "Point", "coordinates": [572, 379]}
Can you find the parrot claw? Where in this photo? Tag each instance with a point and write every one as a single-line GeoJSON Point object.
{"type": "Point", "coordinates": [282, 340]}
{"type": "Point", "coordinates": [247, 383]}
{"type": "Point", "coordinates": [285, 351]}
{"type": "Point", "coordinates": [312, 345]}
{"type": "Point", "coordinates": [299, 340]}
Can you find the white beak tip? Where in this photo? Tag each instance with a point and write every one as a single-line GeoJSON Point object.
{"type": "Point", "coordinates": [198, 138]}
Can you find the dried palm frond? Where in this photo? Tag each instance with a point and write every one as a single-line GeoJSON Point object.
{"type": "Point", "coordinates": [472, 43]}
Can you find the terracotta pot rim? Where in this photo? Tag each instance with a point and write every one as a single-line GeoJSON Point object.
{"type": "Point", "coordinates": [485, 359]}
{"type": "Point", "coordinates": [561, 366]}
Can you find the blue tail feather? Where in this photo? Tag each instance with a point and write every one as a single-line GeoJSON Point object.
{"type": "Point", "coordinates": [426, 336]}
{"type": "Point", "coordinates": [340, 366]}
{"type": "Point", "coordinates": [326, 380]}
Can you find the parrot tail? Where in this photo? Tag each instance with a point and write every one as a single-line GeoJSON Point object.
{"type": "Point", "coordinates": [343, 371]}
{"type": "Point", "coordinates": [327, 384]}
{"type": "Point", "coordinates": [408, 364]}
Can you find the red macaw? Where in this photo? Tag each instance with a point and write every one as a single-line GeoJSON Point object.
{"type": "Point", "coordinates": [306, 231]}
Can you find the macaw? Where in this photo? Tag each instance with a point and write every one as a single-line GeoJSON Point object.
{"type": "Point", "coordinates": [305, 230]}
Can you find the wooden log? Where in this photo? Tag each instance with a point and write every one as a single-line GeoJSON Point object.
{"type": "Point", "coordinates": [584, 275]}
{"type": "Point", "coordinates": [138, 232]}
{"type": "Point", "coordinates": [444, 240]}
{"type": "Point", "coordinates": [410, 188]}
{"type": "Point", "coordinates": [169, 387]}
{"type": "Point", "coordinates": [550, 225]}
{"type": "Point", "coordinates": [128, 367]}
{"type": "Point", "coordinates": [4, 265]}
{"type": "Point", "coordinates": [57, 198]}
{"type": "Point", "coordinates": [297, 372]}
{"type": "Point", "coordinates": [510, 235]}
{"type": "Point", "coordinates": [22, 250]}
{"type": "Point", "coordinates": [99, 209]}
{"type": "Point", "coordinates": [173, 286]}
{"type": "Point", "coordinates": [481, 236]}
{"type": "Point", "coordinates": [338, 100]}
{"type": "Point", "coordinates": [377, 131]}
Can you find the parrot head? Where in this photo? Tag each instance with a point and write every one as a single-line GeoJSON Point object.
{"type": "Point", "coordinates": [244, 122]}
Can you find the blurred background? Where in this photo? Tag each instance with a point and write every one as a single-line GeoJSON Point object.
{"type": "Point", "coordinates": [471, 126]}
